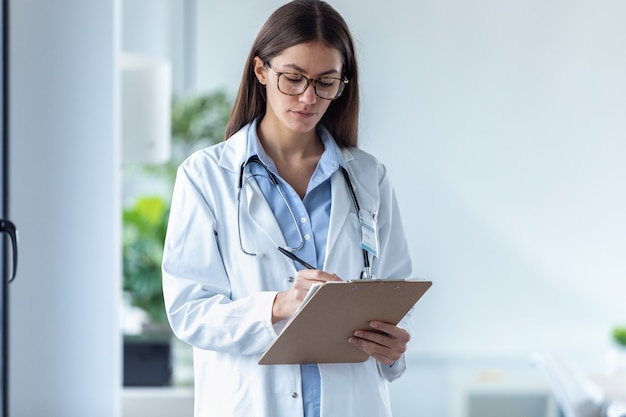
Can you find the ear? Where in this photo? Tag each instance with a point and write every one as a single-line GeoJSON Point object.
{"type": "Point", "coordinates": [260, 70]}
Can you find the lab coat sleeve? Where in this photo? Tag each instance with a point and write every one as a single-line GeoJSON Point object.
{"type": "Point", "coordinates": [196, 288]}
{"type": "Point", "coordinates": [394, 260]}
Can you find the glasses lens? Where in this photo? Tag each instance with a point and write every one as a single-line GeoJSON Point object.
{"type": "Point", "coordinates": [328, 88]}
{"type": "Point", "coordinates": [292, 84]}
{"type": "Point", "coordinates": [295, 84]}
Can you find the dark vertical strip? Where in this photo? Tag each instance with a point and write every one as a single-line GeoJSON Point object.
{"type": "Point", "coordinates": [4, 210]}
{"type": "Point", "coordinates": [5, 109]}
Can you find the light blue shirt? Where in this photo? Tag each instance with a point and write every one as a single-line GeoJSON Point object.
{"type": "Point", "coordinates": [312, 216]}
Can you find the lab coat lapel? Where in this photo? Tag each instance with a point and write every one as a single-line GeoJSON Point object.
{"type": "Point", "coordinates": [261, 213]}
{"type": "Point", "coordinates": [258, 209]}
{"type": "Point", "coordinates": [339, 211]}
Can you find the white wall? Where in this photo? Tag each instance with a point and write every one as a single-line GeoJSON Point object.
{"type": "Point", "coordinates": [503, 127]}
{"type": "Point", "coordinates": [517, 110]}
{"type": "Point", "coordinates": [64, 161]}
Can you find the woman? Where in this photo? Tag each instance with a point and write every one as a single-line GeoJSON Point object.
{"type": "Point", "coordinates": [283, 178]}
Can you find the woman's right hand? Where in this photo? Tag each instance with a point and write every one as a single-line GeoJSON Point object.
{"type": "Point", "coordinates": [286, 302]}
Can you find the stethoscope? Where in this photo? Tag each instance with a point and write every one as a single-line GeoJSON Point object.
{"type": "Point", "coordinates": [365, 274]}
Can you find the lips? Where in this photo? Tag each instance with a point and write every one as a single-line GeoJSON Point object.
{"type": "Point", "coordinates": [303, 113]}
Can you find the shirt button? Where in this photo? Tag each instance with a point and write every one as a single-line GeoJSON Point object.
{"type": "Point", "coordinates": [303, 220]}
{"type": "Point", "coordinates": [307, 237]}
{"type": "Point", "coordinates": [291, 279]}
{"type": "Point", "coordinates": [294, 395]}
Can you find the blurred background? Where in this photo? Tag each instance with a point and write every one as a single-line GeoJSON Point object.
{"type": "Point", "coordinates": [502, 124]}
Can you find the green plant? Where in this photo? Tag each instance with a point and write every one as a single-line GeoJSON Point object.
{"type": "Point", "coordinates": [200, 119]}
{"type": "Point", "coordinates": [619, 335]}
{"type": "Point", "coordinates": [145, 225]}
{"type": "Point", "coordinates": [197, 121]}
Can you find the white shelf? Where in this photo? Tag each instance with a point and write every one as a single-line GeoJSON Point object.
{"type": "Point", "coordinates": [157, 402]}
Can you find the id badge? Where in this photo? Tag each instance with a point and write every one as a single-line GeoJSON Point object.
{"type": "Point", "coordinates": [369, 231]}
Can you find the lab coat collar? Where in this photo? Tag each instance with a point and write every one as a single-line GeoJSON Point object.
{"type": "Point", "coordinates": [234, 150]}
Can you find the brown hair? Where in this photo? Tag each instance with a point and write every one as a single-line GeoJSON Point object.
{"type": "Point", "coordinates": [297, 22]}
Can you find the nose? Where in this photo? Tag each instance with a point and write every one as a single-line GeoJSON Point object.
{"type": "Point", "coordinates": [309, 96]}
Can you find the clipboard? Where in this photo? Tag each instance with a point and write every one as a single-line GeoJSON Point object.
{"type": "Point", "coordinates": [318, 332]}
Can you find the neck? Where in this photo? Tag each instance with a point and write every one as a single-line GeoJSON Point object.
{"type": "Point", "coordinates": [295, 154]}
{"type": "Point", "coordinates": [289, 146]}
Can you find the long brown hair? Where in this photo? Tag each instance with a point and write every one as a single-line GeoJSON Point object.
{"type": "Point", "coordinates": [296, 22]}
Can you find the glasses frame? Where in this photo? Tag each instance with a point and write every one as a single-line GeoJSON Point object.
{"type": "Point", "coordinates": [343, 81]}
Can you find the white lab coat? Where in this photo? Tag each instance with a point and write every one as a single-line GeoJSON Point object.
{"type": "Point", "coordinates": [219, 299]}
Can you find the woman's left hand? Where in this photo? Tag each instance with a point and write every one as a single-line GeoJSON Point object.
{"type": "Point", "coordinates": [386, 343]}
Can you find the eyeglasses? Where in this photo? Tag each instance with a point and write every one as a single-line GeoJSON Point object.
{"type": "Point", "coordinates": [294, 84]}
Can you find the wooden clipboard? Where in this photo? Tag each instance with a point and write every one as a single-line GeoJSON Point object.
{"type": "Point", "coordinates": [319, 331]}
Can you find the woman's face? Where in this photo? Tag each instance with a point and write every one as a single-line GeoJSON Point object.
{"type": "Point", "coordinates": [297, 113]}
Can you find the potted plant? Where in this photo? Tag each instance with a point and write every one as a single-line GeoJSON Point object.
{"type": "Point", "coordinates": [145, 224]}
{"type": "Point", "coordinates": [197, 121]}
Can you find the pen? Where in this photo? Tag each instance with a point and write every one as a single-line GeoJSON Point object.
{"type": "Point", "coordinates": [295, 258]}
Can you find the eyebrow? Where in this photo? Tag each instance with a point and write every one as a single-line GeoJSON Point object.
{"type": "Point", "coordinates": [302, 70]}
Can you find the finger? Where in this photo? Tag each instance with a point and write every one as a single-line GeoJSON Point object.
{"type": "Point", "coordinates": [316, 275]}
{"type": "Point", "coordinates": [391, 330]}
{"type": "Point", "coordinates": [307, 278]}
{"type": "Point", "coordinates": [379, 352]}
{"type": "Point", "coordinates": [301, 284]}
{"type": "Point", "coordinates": [334, 277]}
{"type": "Point", "coordinates": [386, 341]}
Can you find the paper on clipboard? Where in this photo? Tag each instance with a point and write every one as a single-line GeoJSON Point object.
{"type": "Point", "coordinates": [318, 332]}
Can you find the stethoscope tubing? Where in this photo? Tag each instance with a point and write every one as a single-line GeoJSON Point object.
{"type": "Point", "coordinates": [274, 181]}
{"type": "Point", "coordinates": [366, 273]}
